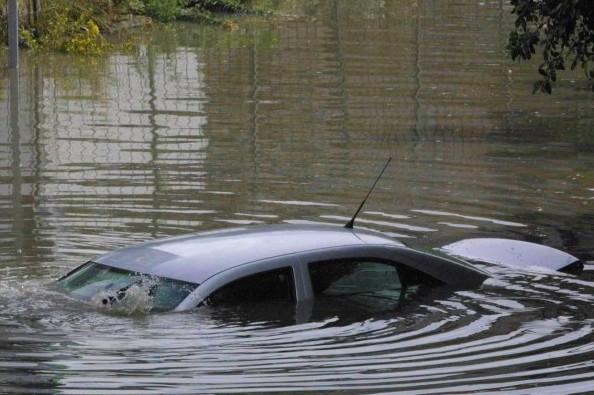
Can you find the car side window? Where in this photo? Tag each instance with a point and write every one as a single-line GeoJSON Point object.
{"type": "Point", "coordinates": [274, 285]}
{"type": "Point", "coordinates": [354, 277]}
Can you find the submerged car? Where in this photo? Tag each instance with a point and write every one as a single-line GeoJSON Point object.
{"type": "Point", "coordinates": [295, 264]}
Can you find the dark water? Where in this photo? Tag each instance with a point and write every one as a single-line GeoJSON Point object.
{"type": "Point", "coordinates": [288, 119]}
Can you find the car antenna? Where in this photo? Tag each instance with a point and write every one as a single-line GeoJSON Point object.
{"type": "Point", "coordinates": [350, 224]}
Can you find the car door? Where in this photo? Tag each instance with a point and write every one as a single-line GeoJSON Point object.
{"type": "Point", "coordinates": [275, 279]}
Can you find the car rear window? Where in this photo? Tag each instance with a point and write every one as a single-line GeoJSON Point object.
{"type": "Point", "coordinates": [370, 283]}
{"type": "Point", "coordinates": [348, 277]}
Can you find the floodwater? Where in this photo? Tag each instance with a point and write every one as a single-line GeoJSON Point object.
{"type": "Point", "coordinates": [288, 119]}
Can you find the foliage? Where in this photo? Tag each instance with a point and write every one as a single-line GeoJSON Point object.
{"type": "Point", "coordinates": [86, 41]}
{"type": "Point", "coordinates": [76, 26]}
{"type": "Point", "coordinates": [66, 27]}
{"type": "Point", "coordinates": [207, 10]}
{"type": "Point", "coordinates": [130, 7]}
{"type": "Point", "coordinates": [28, 39]}
{"type": "Point", "coordinates": [164, 10]}
{"type": "Point", "coordinates": [563, 29]}
{"type": "Point", "coordinates": [169, 10]}
{"type": "Point", "coordinates": [221, 5]}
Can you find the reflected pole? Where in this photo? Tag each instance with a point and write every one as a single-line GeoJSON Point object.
{"type": "Point", "coordinates": [13, 34]}
{"type": "Point", "coordinates": [16, 160]}
{"type": "Point", "coordinates": [153, 96]}
{"type": "Point", "coordinates": [341, 69]}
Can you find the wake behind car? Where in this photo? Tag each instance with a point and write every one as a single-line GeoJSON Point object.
{"type": "Point", "coordinates": [295, 264]}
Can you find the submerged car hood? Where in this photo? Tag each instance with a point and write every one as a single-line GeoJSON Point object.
{"type": "Point", "coordinates": [198, 256]}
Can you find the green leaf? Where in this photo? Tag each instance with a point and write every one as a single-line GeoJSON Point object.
{"type": "Point", "coordinates": [562, 31]}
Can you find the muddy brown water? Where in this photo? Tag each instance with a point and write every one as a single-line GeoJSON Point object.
{"type": "Point", "coordinates": [287, 120]}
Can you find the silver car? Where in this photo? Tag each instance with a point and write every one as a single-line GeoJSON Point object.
{"type": "Point", "coordinates": [295, 264]}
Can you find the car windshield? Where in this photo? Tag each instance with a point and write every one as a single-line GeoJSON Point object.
{"type": "Point", "coordinates": [108, 285]}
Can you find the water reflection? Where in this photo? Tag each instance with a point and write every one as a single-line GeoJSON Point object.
{"type": "Point", "coordinates": [287, 120]}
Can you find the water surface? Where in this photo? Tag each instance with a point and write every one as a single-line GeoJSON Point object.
{"type": "Point", "coordinates": [288, 120]}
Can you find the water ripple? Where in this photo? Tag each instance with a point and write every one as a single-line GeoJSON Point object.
{"type": "Point", "coordinates": [479, 341]}
{"type": "Point", "coordinates": [288, 121]}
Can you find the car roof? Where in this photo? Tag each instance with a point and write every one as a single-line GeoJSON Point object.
{"type": "Point", "coordinates": [198, 256]}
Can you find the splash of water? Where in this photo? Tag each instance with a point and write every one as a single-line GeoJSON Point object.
{"type": "Point", "coordinates": [136, 300]}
